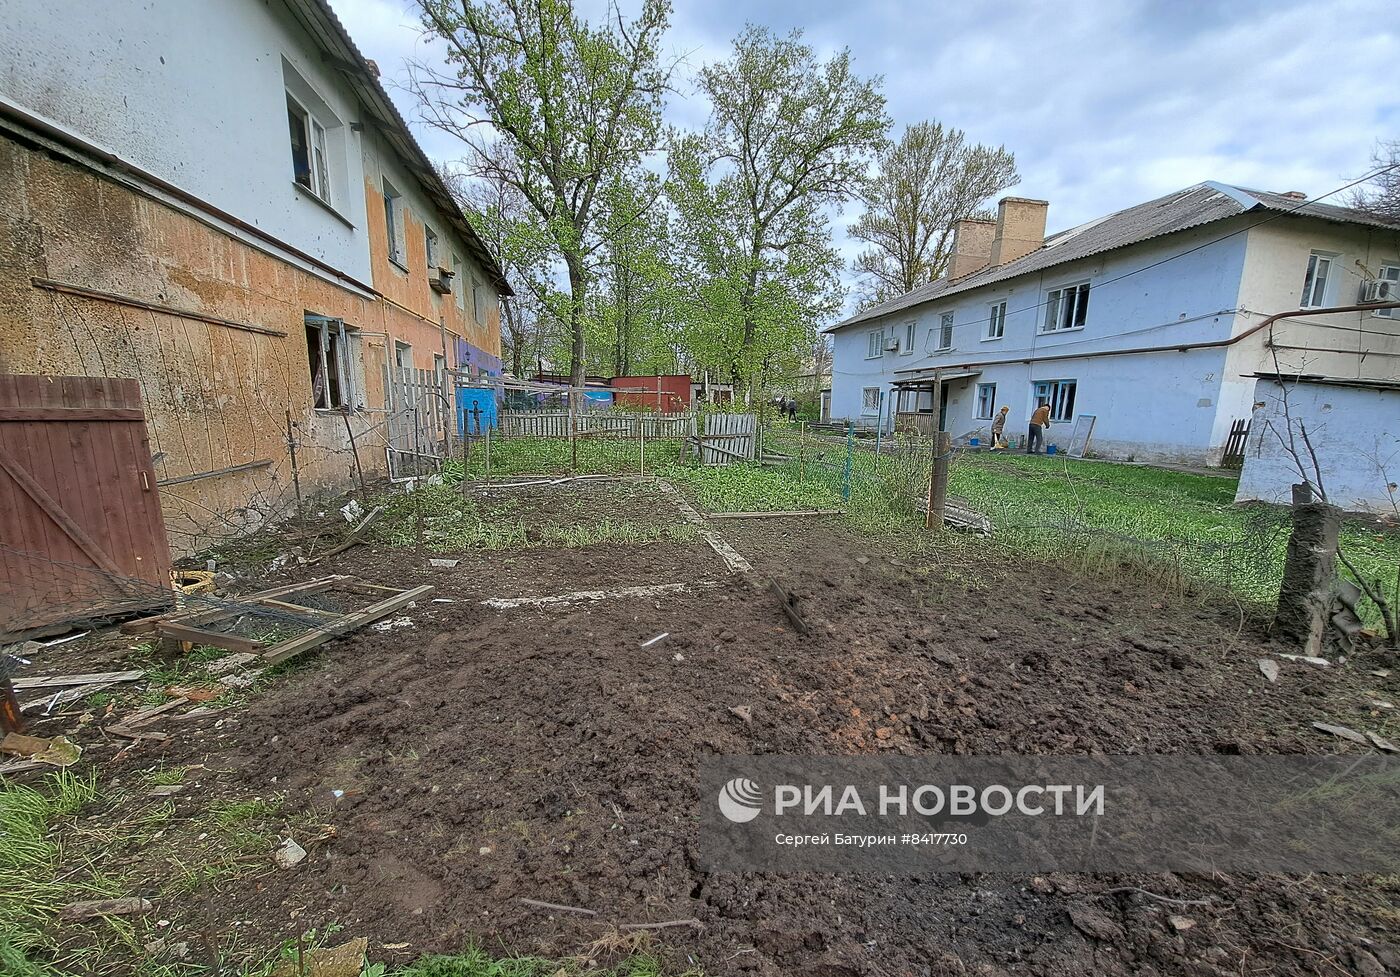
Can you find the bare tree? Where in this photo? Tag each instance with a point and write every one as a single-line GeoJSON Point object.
{"type": "Point", "coordinates": [1382, 197]}
{"type": "Point", "coordinates": [926, 182]}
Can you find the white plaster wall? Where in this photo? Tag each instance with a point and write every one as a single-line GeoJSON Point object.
{"type": "Point", "coordinates": [1355, 432]}
{"type": "Point", "coordinates": [192, 91]}
{"type": "Point", "coordinates": [1152, 406]}
{"type": "Point", "coordinates": [1351, 344]}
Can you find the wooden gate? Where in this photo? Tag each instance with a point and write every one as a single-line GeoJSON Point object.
{"type": "Point", "coordinates": [1235, 444]}
{"type": "Point", "coordinates": [81, 531]}
{"type": "Point", "coordinates": [419, 414]}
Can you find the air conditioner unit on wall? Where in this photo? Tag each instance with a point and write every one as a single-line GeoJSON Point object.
{"type": "Point", "coordinates": [1379, 291]}
{"type": "Point", "coordinates": [440, 280]}
{"type": "Point", "coordinates": [892, 344]}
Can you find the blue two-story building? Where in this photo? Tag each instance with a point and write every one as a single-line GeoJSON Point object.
{"type": "Point", "coordinates": [1155, 320]}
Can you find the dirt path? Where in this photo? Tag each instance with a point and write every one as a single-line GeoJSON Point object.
{"type": "Point", "coordinates": [486, 756]}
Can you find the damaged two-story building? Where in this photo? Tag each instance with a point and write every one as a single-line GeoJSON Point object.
{"type": "Point", "coordinates": [221, 201]}
{"type": "Point", "coordinates": [1155, 320]}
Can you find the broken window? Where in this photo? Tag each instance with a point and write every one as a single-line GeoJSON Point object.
{"type": "Point", "coordinates": [1059, 394]}
{"type": "Point", "coordinates": [430, 248]}
{"type": "Point", "coordinates": [870, 400]}
{"type": "Point", "coordinates": [309, 162]}
{"type": "Point", "coordinates": [945, 331]}
{"type": "Point", "coordinates": [996, 322]}
{"type": "Point", "coordinates": [986, 400]}
{"type": "Point", "coordinates": [1066, 308]}
{"type": "Point", "coordinates": [393, 217]}
{"type": "Point", "coordinates": [1315, 281]}
{"type": "Point", "coordinates": [478, 301]}
{"type": "Point", "coordinates": [328, 352]}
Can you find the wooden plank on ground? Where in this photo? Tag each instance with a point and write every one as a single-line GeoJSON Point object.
{"type": "Point", "coordinates": [90, 678]}
{"type": "Point", "coordinates": [346, 624]}
{"type": "Point", "coordinates": [200, 636]}
{"type": "Point", "coordinates": [776, 514]}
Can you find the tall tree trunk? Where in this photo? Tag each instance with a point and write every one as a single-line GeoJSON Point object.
{"type": "Point", "coordinates": [577, 287]}
{"type": "Point", "coordinates": [517, 353]}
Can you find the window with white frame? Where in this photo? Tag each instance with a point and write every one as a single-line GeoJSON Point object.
{"type": "Point", "coordinates": [328, 343]}
{"type": "Point", "coordinates": [870, 400]}
{"type": "Point", "coordinates": [996, 321]}
{"type": "Point", "coordinates": [310, 160]}
{"type": "Point", "coordinates": [1315, 281]}
{"type": "Point", "coordinates": [459, 283]}
{"type": "Point", "coordinates": [945, 331]}
{"type": "Point", "coordinates": [874, 344]}
{"type": "Point", "coordinates": [393, 222]}
{"type": "Point", "coordinates": [1066, 308]}
{"type": "Point", "coordinates": [1390, 273]}
{"type": "Point", "coordinates": [1059, 394]}
{"type": "Point", "coordinates": [986, 400]}
{"type": "Point", "coordinates": [906, 340]}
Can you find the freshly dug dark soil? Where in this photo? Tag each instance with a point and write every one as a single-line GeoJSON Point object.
{"type": "Point", "coordinates": [488, 756]}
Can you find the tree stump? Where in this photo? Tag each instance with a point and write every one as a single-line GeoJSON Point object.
{"type": "Point", "coordinates": [1308, 595]}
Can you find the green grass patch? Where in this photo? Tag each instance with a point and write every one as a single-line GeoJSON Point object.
{"type": "Point", "coordinates": [446, 521]}
{"type": "Point", "coordinates": [31, 891]}
{"type": "Point", "coordinates": [749, 488]}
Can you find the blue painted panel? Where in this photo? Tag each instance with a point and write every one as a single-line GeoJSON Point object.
{"type": "Point", "coordinates": [603, 397]}
{"type": "Point", "coordinates": [483, 399]}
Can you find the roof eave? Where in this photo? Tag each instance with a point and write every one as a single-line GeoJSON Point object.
{"type": "Point", "coordinates": [320, 20]}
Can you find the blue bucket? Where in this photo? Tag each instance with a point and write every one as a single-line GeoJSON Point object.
{"type": "Point", "coordinates": [1051, 449]}
{"type": "Point", "coordinates": [974, 442]}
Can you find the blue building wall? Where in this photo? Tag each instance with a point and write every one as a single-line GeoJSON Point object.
{"type": "Point", "coordinates": [1154, 406]}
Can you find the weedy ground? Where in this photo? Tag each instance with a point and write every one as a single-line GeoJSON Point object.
{"type": "Point", "coordinates": [1177, 528]}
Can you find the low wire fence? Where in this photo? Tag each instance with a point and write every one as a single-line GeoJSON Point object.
{"type": "Point", "coordinates": [1182, 530]}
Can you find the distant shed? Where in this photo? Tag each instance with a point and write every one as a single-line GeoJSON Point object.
{"type": "Point", "coordinates": [667, 394]}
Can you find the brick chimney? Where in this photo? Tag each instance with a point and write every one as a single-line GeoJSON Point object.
{"type": "Point", "coordinates": [1020, 228]}
{"type": "Point", "coordinates": [972, 246]}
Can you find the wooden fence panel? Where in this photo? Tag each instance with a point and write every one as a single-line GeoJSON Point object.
{"type": "Point", "coordinates": [419, 415]}
{"type": "Point", "coordinates": [81, 530]}
{"type": "Point", "coordinates": [728, 438]}
{"type": "Point", "coordinates": [1233, 456]}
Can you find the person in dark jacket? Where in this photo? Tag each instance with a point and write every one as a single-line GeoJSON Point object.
{"type": "Point", "coordinates": [1040, 420]}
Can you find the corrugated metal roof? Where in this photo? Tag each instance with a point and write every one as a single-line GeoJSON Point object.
{"type": "Point", "coordinates": [322, 23]}
{"type": "Point", "coordinates": [1201, 204]}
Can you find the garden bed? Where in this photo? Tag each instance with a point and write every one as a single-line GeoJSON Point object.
{"type": "Point", "coordinates": [441, 771]}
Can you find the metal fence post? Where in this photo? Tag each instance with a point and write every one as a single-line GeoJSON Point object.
{"type": "Point", "coordinates": [846, 469]}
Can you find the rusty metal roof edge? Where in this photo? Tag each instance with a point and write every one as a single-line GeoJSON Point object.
{"type": "Point", "coordinates": [333, 33]}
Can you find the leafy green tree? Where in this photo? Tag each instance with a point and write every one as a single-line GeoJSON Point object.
{"type": "Point", "coordinates": [635, 308]}
{"type": "Point", "coordinates": [574, 104]}
{"type": "Point", "coordinates": [925, 183]}
{"type": "Point", "coordinates": [789, 137]}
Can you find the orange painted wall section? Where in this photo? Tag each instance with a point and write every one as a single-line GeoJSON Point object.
{"type": "Point", "coordinates": [410, 289]}
{"type": "Point", "coordinates": [215, 396]}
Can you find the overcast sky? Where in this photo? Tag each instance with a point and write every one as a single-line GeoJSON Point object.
{"type": "Point", "coordinates": [1106, 103]}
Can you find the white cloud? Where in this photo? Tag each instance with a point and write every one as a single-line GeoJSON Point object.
{"type": "Point", "coordinates": [1104, 104]}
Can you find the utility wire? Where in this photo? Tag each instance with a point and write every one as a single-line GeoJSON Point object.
{"type": "Point", "coordinates": [1274, 215]}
